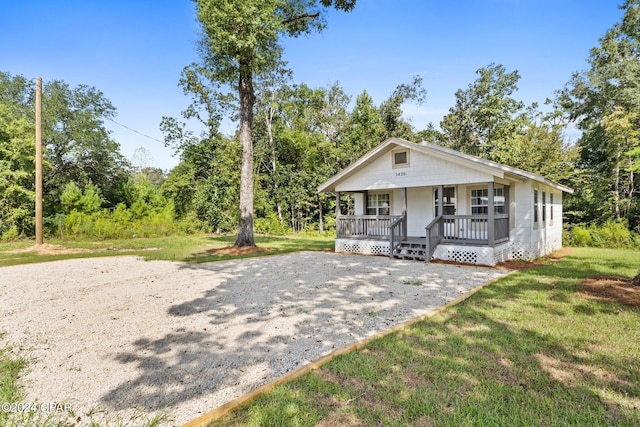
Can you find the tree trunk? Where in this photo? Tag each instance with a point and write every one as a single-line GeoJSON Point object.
{"type": "Point", "coordinates": [631, 183]}
{"type": "Point", "coordinates": [247, 99]}
{"type": "Point", "coordinates": [616, 185]}
{"type": "Point", "coordinates": [636, 280]}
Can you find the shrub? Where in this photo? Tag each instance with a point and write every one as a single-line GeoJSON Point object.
{"type": "Point", "coordinates": [270, 225]}
{"type": "Point", "coordinates": [10, 234]}
{"type": "Point", "coordinates": [581, 236]}
{"type": "Point", "coordinates": [190, 224]}
{"type": "Point", "coordinates": [613, 234]}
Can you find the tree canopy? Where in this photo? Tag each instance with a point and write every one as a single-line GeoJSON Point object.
{"type": "Point", "coordinates": [292, 136]}
{"type": "Point", "coordinates": [77, 148]}
{"type": "Point", "coordinates": [604, 102]}
{"type": "Point", "coordinates": [241, 39]}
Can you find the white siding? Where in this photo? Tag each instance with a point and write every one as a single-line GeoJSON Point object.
{"type": "Point", "coordinates": [557, 220]}
{"type": "Point", "coordinates": [548, 234]}
{"type": "Point", "coordinates": [422, 171]}
{"type": "Point", "coordinates": [543, 237]}
{"type": "Point", "coordinates": [463, 199]}
{"type": "Point", "coordinates": [419, 210]}
{"type": "Point", "coordinates": [521, 210]}
{"type": "Point", "coordinates": [396, 202]}
{"type": "Point", "coordinates": [359, 203]}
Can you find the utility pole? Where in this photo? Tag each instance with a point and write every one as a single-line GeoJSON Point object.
{"type": "Point", "coordinates": [39, 239]}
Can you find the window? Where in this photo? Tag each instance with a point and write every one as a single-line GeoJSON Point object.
{"type": "Point", "coordinates": [498, 201]}
{"type": "Point", "coordinates": [378, 204]}
{"type": "Point", "coordinates": [551, 208]}
{"type": "Point", "coordinates": [535, 206]}
{"type": "Point", "coordinates": [400, 158]}
{"type": "Point", "coordinates": [544, 206]}
{"type": "Point", "coordinates": [480, 201]}
{"type": "Point", "coordinates": [448, 201]}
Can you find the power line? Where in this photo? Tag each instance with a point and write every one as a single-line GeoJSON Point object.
{"type": "Point", "coordinates": [133, 130]}
{"type": "Point", "coordinates": [150, 137]}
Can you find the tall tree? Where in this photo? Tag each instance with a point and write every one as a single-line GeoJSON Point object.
{"type": "Point", "coordinates": [604, 102]}
{"type": "Point", "coordinates": [241, 40]}
{"type": "Point", "coordinates": [17, 152]}
{"type": "Point", "coordinates": [486, 116]}
{"type": "Point", "coordinates": [369, 125]}
{"type": "Point", "coordinates": [273, 91]}
{"type": "Point", "coordinates": [365, 130]}
{"type": "Point", "coordinates": [78, 147]}
{"type": "Point", "coordinates": [391, 111]}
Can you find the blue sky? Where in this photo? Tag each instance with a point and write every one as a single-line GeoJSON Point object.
{"type": "Point", "coordinates": [135, 50]}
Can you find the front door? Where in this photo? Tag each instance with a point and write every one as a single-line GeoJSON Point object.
{"type": "Point", "coordinates": [448, 201]}
{"type": "Point", "coordinates": [448, 208]}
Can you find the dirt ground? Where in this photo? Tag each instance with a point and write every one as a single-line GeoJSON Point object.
{"type": "Point", "coordinates": [603, 288]}
{"type": "Point", "coordinates": [49, 249]}
{"type": "Point", "coordinates": [235, 251]}
{"type": "Point", "coordinates": [611, 289]}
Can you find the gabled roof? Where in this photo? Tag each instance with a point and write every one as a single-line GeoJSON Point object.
{"type": "Point", "coordinates": [443, 153]}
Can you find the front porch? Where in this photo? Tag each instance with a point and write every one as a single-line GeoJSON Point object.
{"type": "Point", "coordinates": [474, 239]}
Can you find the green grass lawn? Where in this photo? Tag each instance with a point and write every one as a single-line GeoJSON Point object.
{"type": "Point", "coordinates": [192, 249]}
{"type": "Point", "coordinates": [528, 350]}
{"type": "Point", "coordinates": [10, 368]}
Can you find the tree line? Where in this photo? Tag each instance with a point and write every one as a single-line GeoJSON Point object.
{"type": "Point", "coordinates": [301, 135]}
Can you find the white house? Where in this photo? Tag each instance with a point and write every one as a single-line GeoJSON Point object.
{"type": "Point", "coordinates": [423, 201]}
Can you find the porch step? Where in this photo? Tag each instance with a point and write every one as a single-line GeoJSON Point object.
{"type": "Point", "coordinates": [410, 250]}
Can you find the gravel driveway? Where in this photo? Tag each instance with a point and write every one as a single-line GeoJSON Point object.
{"type": "Point", "coordinates": [119, 337]}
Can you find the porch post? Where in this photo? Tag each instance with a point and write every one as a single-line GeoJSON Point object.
{"type": "Point", "coordinates": [404, 211]}
{"type": "Point", "coordinates": [338, 223]}
{"type": "Point", "coordinates": [491, 222]}
{"type": "Point", "coordinates": [404, 201]}
{"type": "Point", "coordinates": [507, 203]}
{"type": "Point", "coordinates": [440, 199]}
{"type": "Point", "coordinates": [365, 202]}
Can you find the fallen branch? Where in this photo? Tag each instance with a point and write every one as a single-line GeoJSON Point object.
{"type": "Point", "coordinates": [354, 398]}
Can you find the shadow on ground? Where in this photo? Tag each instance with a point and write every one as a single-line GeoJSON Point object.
{"type": "Point", "coordinates": [263, 317]}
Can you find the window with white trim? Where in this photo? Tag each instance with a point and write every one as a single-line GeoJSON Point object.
{"type": "Point", "coordinates": [378, 204]}
{"type": "Point", "coordinates": [544, 206]}
{"type": "Point", "coordinates": [480, 201]}
{"type": "Point", "coordinates": [551, 208]}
